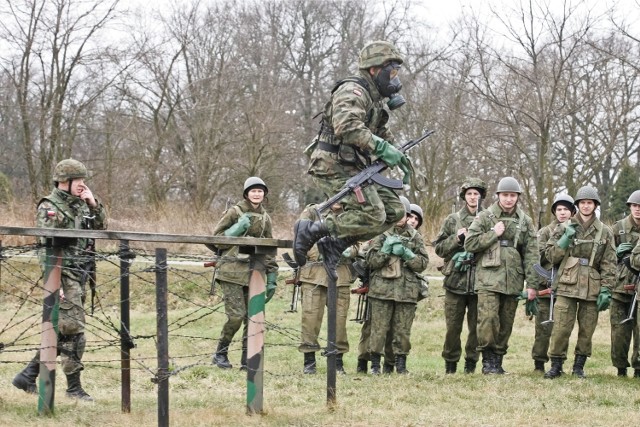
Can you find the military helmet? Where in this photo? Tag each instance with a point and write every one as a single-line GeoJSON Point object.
{"type": "Point", "coordinates": [508, 184]}
{"type": "Point", "coordinates": [376, 53]}
{"type": "Point", "coordinates": [406, 203]}
{"type": "Point", "coordinates": [587, 193]}
{"type": "Point", "coordinates": [253, 182]}
{"type": "Point", "coordinates": [417, 211]}
{"type": "Point", "coordinates": [634, 198]}
{"type": "Point", "coordinates": [476, 183]}
{"type": "Point", "coordinates": [69, 169]}
{"type": "Point", "coordinates": [565, 200]}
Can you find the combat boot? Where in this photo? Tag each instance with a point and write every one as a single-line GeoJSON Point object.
{"type": "Point", "coordinates": [305, 234]}
{"type": "Point", "coordinates": [556, 368]}
{"type": "Point", "coordinates": [309, 363]}
{"type": "Point", "coordinates": [74, 388]}
{"type": "Point", "coordinates": [26, 379]}
{"type": "Point", "coordinates": [538, 365]}
{"type": "Point", "coordinates": [243, 360]}
{"type": "Point", "coordinates": [220, 358]}
{"type": "Point", "coordinates": [401, 364]}
{"type": "Point", "coordinates": [375, 364]}
{"type": "Point", "coordinates": [488, 363]}
{"type": "Point", "coordinates": [622, 372]}
{"type": "Point", "coordinates": [578, 366]}
{"type": "Point", "coordinates": [636, 373]}
{"type": "Point", "coordinates": [387, 368]}
{"type": "Point", "coordinates": [450, 367]}
{"type": "Point", "coordinates": [340, 364]}
{"type": "Point", "coordinates": [362, 366]}
{"type": "Point", "coordinates": [497, 364]}
{"type": "Point", "coordinates": [469, 366]}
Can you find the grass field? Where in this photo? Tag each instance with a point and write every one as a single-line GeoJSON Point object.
{"type": "Point", "coordinates": [203, 395]}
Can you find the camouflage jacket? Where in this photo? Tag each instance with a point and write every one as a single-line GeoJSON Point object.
{"type": "Point", "coordinates": [313, 272]}
{"type": "Point", "coordinates": [351, 117]}
{"type": "Point", "coordinates": [391, 278]}
{"type": "Point", "coordinates": [503, 263]}
{"type": "Point", "coordinates": [543, 237]}
{"type": "Point", "coordinates": [625, 231]}
{"type": "Point", "coordinates": [233, 266]}
{"type": "Point", "coordinates": [447, 245]}
{"type": "Point", "coordinates": [588, 263]}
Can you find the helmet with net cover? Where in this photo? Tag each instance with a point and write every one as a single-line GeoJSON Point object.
{"type": "Point", "coordinates": [377, 53]}
{"type": "Point", "coordinates": [68, 169]}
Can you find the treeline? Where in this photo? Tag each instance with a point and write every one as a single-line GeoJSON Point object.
{"type": "Point", "coordinates": [183, 103]}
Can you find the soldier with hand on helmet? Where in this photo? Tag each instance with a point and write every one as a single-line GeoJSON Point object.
{"type": "Point", "coordinates": [503, 241]}
{"type": "Point", "coordinates": [71, 205]}
{"type": "Point", "coordinates": [353, 133]}
{"type": "Point", "coordinates": [583, 248]}
{"type": "Point", "coordinates": [460, 295]}
{"type": "Point", "coordinates": [246, 219]}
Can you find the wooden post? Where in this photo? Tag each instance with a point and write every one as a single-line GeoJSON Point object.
{"type": "Point", "coordinates": [163, 338]}
{"type": "Point", "coordinates": [125, 336]}
{"type": "Point", "coordinates": [255, 334]}
{"type": "Point", "coordinates": [49, 338]}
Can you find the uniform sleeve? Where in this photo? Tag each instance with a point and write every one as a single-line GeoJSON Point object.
{"type": "Point", "coordinates": [271, 264]}
{"type": "Point", "coordinates": [531, 256]}
{"type": "Point", "coordinates": [100, 216]}
{"type": "Point", "coordinates": [480, 237]}
{"type": "Point", "coordinates": [350, 104]}
{"type": "Point", "coordinates": [421, 260]}
{"type": "Point", "coordinates": [446, 244]}
{"type": "Point", "coordinates": [229, 218]}
{"type": "Point", "coordinates": [553, 253]}
{"type": "Point", "coordinates": [48, 216]}
{"type": "Point", "coordinates": [609, 262]}
{"type": "Point", "coordinates": [375, 259]}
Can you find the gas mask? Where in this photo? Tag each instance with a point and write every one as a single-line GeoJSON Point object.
{"type": "Point", "coordinates": [388, 84]}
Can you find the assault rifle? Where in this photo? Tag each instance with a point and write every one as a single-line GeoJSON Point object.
{"type": "Point", "coordinates": [632, 286]}
{"type": "Point", "coordinates": [213, 264]}
{"type": "Point", "coordinates": [295, 281]}
{"type": "Point", "coordinates": [363, 311]}
{"type": "Point", "coordinates": [471, 271]}
{"type": "Point", "coordinates": [550, 276]}
{"type": "Point", "coordinates": [370, 175]}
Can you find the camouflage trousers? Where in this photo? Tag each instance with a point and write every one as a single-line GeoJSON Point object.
{"type": "Point", "coordinates": [363, 345]}
{"type": "Point", "coordinates": [235, 307]}
{"type": "Point", "coordinates": [623, 334]}
{"type": "Point", "coordinates": [71, 324]}
{"type": "Point", "coordinates": [496, 313]}
{"type": "Point", "coordinates": [381, 210]}
{"type": "Point", "coordinates": [397, 317]}
{"type": "Point", "coordinates": [455, 308]}
{"type": "Point", "coordinates": [543, 331]}
{"type": "Point", "coordinates": [314, 300]}
{"type": "Point", "coordinates": [566, 310]}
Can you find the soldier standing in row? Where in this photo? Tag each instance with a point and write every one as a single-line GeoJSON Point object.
{"type": "Point", "coordinates": [503, 241]}
{"type": "Point", "coordinates": [246, 219]}
{"type": "Point", "coordinates": [71, 205]}
{"type": "Point", "coordinates": [583, 248]}
{"type": "Point", "coordinates": [626, 233]}
{"type": "Point", "coordinates": [460, 296]}
{"type": "Point", "coordinates": [563, 209]}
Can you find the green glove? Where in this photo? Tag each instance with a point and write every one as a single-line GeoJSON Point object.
{"type": "Point", "coordinates": [393, 157]}
{"type": "Point", "coordinates": [403, 252]}
{"type": "Point", "coordinates": [388, 244]}
{"type": "Point", "coordinates": [458, 260]}
{"type": "Point", "coordinates": [524, 295]}
{"type": "Point", "coordinates": [604, 298]}
{"type": "Point", "coordinates": [271, 286]}
{"type": "Point", "coordinates": [531, 307]}
{"type": "Point", "coordinates": [239, 228]}
{"type": "Point", "coordinates": [623, 249]}
{"type": "Point", "coordinates": [567, 237]}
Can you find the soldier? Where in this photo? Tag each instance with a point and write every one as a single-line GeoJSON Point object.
{"type": "Point", "coordinates": [563, 209]}
{"type": "Point", "coordinates": [503, 241]}
{"type": "Point", "coordinates": [354, 132]}
{"type": "Point", "coordinates": [395, 259]}
{"type": "Point", "coordinates": [460, 295]}
{"type": "Point", "coordinates": [246, 219]}
{"type": "Point", "coordinates": [314, 298]}
{"type": "Point", "coordinates": [71, 205]}
{"type": "Point", "coordinates": [626, 233]}
{"type": "Point", "coordinates": [584, 250]}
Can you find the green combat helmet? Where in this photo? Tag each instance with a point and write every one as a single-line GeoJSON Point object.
{"type": "Point", "coordinates": [587, 193]}
{"type": "Point", "coordinates": [417, 211]}
{"type": "Point", "coordinates": [376, 53]}
{"type": "Point", "coordinates": [565, 200]}
{"type": "Point", "coordinates": [69, 169]}
{"type": "Point", "coordinates": [476, 183]}
{"type": "Point", "coordinates": [634, 198]}
{"type": "Point", "coordinates": [253, 182]}
{"type": "Point", "coordinates": [508, 184]}
{"type": "Point", "coordinates": [406, 203]}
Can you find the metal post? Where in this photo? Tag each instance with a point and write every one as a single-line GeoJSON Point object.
{"type": "Point", "coordinates": [332, 301]}
{"type": "Point", "coordinates": [255, 334]}
{"type": "Point", "coordinates": [125, 337]}
{"type": "Point", "coordinates": [49, 338]}
{"type": "Point", "coordinates": [163, 338]}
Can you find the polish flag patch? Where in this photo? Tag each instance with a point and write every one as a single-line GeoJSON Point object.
{"type": "Point", "coordinates": [357, 92]}
{"type": "Point", "coordinates": [51, 213]}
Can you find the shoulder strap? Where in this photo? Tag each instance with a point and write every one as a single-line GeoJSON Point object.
{"type": "Point", "coordinates": [263, 217]}
{"type": "Point", "coordinates": [596, 242]}
{"type": "Point", "coordinates": [60, 208]}
{"type": "Point", "coordinates": [355, 79]}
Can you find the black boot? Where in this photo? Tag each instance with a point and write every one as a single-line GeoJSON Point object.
{"type": "Point", "coordinates": [538, 365]}
{"type": "Point", "coordinates": [305, 234]}
{"type": "Point", "coordinates": [375, 364]}
{"type": "Point", "coordinates": [401, 364]}
{"type": "Point", "coordinates": [309, 363]}
{"type": "Point", "coordinates": [556, 368]}
{"type": "Point", "coordinates": [578, 366]}
{"type": "Point", "coordinates": [243, 360]}
{"type": "Point", "coordinates": [340, 364]}
{"type": "Point", "coordinates": [220, 358]}
{"type": "Point", "coordinates": [450, 367]}
{"type": "Point", "coordinates": [74, 388]}
{"type": "Point", "coordinates": [622, 372]}
{"type": "Point", "coordinates": [387, 367]}
{"type": "Point", "coordinates": [497, 363]}
{"type": "Point", "coordinates": [636, 373]}
{"type": "Point", "coordinates": [362, 366]}
{"type": "Point", "coordinates": [26, 379]}
{"type": "Point", "coordinates": [469, 366]}
{"type": "Point", "coordinates": [488, 363]}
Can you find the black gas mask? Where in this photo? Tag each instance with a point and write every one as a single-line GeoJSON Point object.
{"type": "Point", "coordinates": [388, 84]}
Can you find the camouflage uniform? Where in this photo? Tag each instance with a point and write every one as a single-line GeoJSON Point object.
{"type": "Point", "coordinates": [500, 275]}
{"type": "Point", "coordinates": [233, 270]}
{"type": "Point", "coordinates": [460, 295]}
{"type": "Point", "coordinates": [394, 290]}
{"type": "Point", "coordinates": [543, 330]}
{"type": "Point", "coordinates": [624, 231]}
